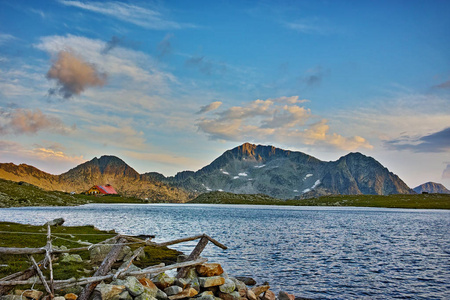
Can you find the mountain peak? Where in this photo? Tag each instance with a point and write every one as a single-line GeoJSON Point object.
{"type": "Point", "coordinates": [431, 187]}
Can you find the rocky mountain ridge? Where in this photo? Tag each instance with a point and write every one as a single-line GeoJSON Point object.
{"type": "Point", "coordinates": [246, 169]}
{"type": "Point", "coordinates": [431, 187]}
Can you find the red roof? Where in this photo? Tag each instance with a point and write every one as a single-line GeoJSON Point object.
{"type": "Point", "coordinates": [106, 189]}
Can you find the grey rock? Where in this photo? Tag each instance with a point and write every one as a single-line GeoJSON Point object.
{"type": "Point", "coordinates": [228, 287]}
{"type": "Point", "coordinates": [160, 295]}
{"type": "Point", "coordinates": [173, 290]}
{"type": "Point", "coordinates": [133, 286]}
{"type": "Point", "coordinates": [68, 258]}
{"type": "Point", "coordinates": [55, 222]}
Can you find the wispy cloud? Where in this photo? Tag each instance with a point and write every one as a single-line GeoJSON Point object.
{"type": "Point", "coordinates": [165, 46]}
{"type": "Point", "coordinates": [26, 121]}
{"type": "Point", "coordinates": [137, 15]}
{"type": "Point", "coordinates": [5, 38]}
{"type": "Point", "coordinates": [444, 85]}
{"type": "Point", "coordinates": [272, 120]}
{"type": "Point", "coordinates": [206, 66]}
{"type": "Point", "coordinates": [210, 107]}
{"type": "Point", "coordinates": [311, 26]}
{"type": "Point", "coordinates": [314, 76]}
{"type": "Point", "coordinates": [434, 142]}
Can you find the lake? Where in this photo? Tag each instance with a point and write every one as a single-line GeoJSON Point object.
{"type": "Point", "coordinates": [314, 252]}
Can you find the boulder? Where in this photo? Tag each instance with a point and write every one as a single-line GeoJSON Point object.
{"type": "Point", "coordinates": [228, 287]}
{"type": "Point", "coordinates": [251, 295]}
{"type": "Point", "coordinates": [133, 286]}
{"type": "Point", "coordinates": [247, 280]}
{"type": "Point", "coordinates": [70, 296]}
{"type": "Point", "coordinates": [55, 222]}
{"type": "Point", "coordinates": [207, 295]}
{"type": "Point", "coordinates": [187, 293]}
{"type": "Point", "coordinates": [68, 258]}
{"type": "Point", "coordinates": [125, 296]}
{"type": "Point", "coordinates": [258, 290]}
{"type": "Point", "coordinates": [160, 295]}
{"type": "Point", "coordinates": [269, 295]}
{"type": "Point", "coordinates": [144, 296]}
{"type": "Point", "coordinates": [59, 298]}
{"type": "Point", "coordinates": [230, 296]}
{"type": "Point", "coordinates": [182, 282]}
{"type": "Point", "coordinates": [11, 297]}
{"type": "Point", "coordinates": [211, 281]}
{"type": "Point", "coordinates": [108, 291]}
{"type": "Point", "coordinates": [32, 294]}
{"type": "Point", "coordinates": [285, 296]}
{"type": "Point", "coordinates": [173, 290]}
{"type": "Point", "coordinates": [163, 280]}
{"type": "Point", "coordinates": [209, 270]}
{"type": "Point", "coordinates": [149, 286]}
{"type": "Point", "coordinates": [98, 253]}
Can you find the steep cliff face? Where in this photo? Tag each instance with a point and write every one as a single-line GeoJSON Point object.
{"type": "Point", "coordinates": [431, 187]}
{"type": "Point", "coordinates": [254, 169]}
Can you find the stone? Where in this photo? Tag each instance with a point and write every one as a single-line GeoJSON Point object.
{"type": "Point", "coordinates": [144, 296]}
{"type": "Point", "coordinates": [187, 293]}
{"type": "Point", "coordinates": [285, 296]}
{"type": "Point", "coordinates": [258, 290]}
{"type": "Point", "coordinates": [70, 296]}
{"type": "Point", "coordinates": [133, 286]}
{"type": "Point", "coordinates": [195, 284]}
{"type": "Point", "coordinates": [173, 290]}
{"type": "Point", "coordinates": [269, 295]}
{"type": "Point", "coordinates": [251, 295]}
{"type": "Point", "coordinates": [55, 222]}
{"type": "Point", "coordinates": [247, 280]}
{"type": "Point", "coordinates": [32, 294]}
{"type": "Point", "coordinates": [163, 280]}
{"type": "Point", "coordinates": [98, 253]}
{"type": "Point", "coordinates": [228, 287]}
{"type": "Point", "coordinates": [182, 282]}
{"type": "Point", "coordinates": [149, 286]}
{"type": "Point", "coordinates": [125, 296]}
{"type": "Point", "coordinates": [211, 281]}
{"type": "Point", "coordinates": [209, 270]}
{"type": "Point", "coordinates": [160, 295]}
{"type": "Point", "coordinates": [59, 298]}
{"type": "Point", "coordinates": [108, 291]}
{"type": "Point", "coordinates": [11, 297]}
{"type": "Point", "coordinates": [68, 258]}
{"type": "Point", "coordinates": [230, 296]}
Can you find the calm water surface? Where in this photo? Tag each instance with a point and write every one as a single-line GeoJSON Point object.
{"type": "Point", "coordinates": [321, 253]}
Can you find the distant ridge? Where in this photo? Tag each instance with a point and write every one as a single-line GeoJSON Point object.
{"type": "Point", "coordinates": [432, 187]}
{"type": "Point", "coordinates": [285, 174]}
{"type": "Point", "coordinates": [246, 169]}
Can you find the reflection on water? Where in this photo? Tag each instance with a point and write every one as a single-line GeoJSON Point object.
{"type": "Point", "coordinates": [329, 253]}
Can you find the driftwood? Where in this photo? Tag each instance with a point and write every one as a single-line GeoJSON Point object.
{"type": "Point", "coordinates": [22, 275]}
{"type": "Point", "coordinates": [41, 276]}
{"type": "Point", "coordinates": [81, 281]}
{"type": "Point", "coordinates": [193, 256]}
{"type": "Point", "coordinates": [129, 262]}
{"type": "Point", "coordinates": [103, 269]}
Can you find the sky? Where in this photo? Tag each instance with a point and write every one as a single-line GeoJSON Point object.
{"type": "Point", "coordinates": [169, 86]}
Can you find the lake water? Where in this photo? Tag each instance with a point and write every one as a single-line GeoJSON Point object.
{"type": "Point", "coordinates": [314, 252]}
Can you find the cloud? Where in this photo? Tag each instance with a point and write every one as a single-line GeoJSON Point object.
{"type": "Point", "coordinates": [444, 85]}
{"type": "Point", "coordinates": [206, 66]}
{"type": "Point", "coordinates": [122, 136]}
{"type": "Point", "coordinates": [433, 143]}
{"type": "Point", "coordinates": [113, 43]}
{"type": "Point", "coordinates": [212, 106]}
{"type": "Point", "coordinates": [311, 26]}
{"type": "Point", "coordinates": [314, 76]}
{"type": "Point", "coordinates": [140, 16]}
{"type": "Point", "coordinates": [446, 173]}
{"type": "Point", "coordinates": [272, 120]}
{"type": "Point", "coordinates": [26, 121]}
{"type": "Point", "coordinates": [165, 46]}
{"type": "Point", "coordinates": [5, 38]}
{"type": "Point", "coordinates": [125, 68]}
{"type": "Point", "coordinates": [73, 75]}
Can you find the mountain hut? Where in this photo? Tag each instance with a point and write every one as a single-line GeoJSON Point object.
{"type": "Point", "coordinates": [102, 190]}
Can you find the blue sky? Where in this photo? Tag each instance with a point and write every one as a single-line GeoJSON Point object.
{"type": "Point", "coordinates": [170, 85]}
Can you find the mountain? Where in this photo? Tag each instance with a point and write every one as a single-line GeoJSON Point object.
{"type": "Point", "coordinates": [258, 169]}
{"type": "Point", "coordinates": [98, 171]}
{"type": "Point", "coordinates": [246, 169]}
{"type": "Point", "coordinates": [431, 187]}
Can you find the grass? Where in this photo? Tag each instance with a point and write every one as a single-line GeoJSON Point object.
{"type": "Point", "coordinates": [417, 201]}
{"type": "Point", "coordinates": [35, 236]}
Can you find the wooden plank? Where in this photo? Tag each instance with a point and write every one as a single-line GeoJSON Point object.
{"type": "Point", "coordinates": [41, 276]}
{"type": "Point", "coordinates": [103, 269]}
{"type": "Point", "coordinates": [194, 255]}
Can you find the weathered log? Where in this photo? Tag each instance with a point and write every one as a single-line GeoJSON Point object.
{"type": "Point", "coordinates": [194, 255]}
{"type": "Point", "coordinates": [130, 261]}
{"type": "Point", "coordinates": [81, 281]}
{"type": "Point", "coordinates": [22, 275]}
{"type": "Point", "coordinates": [177, 241]}
{"type": "Point", "coordinates": [103, 269]}
{"type": "Point", "coordinates": [49, 258]}
{"type": "Point", "coordinates": [41, 276]}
